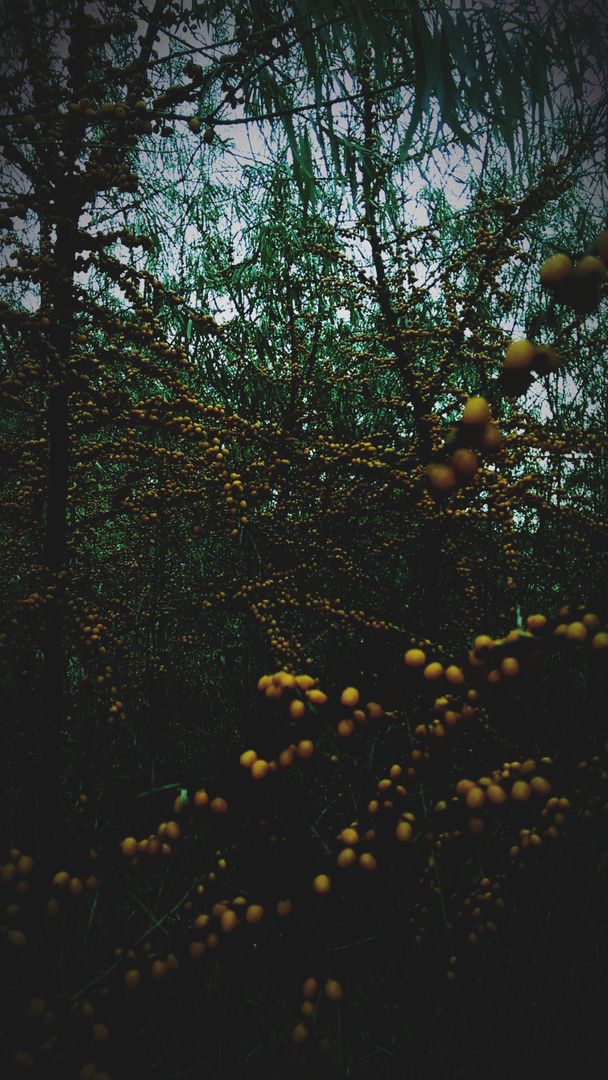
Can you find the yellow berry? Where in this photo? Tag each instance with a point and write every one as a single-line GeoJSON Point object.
{"type": "Point", "coordinates": [333, 990]}
{"type": "Point", "coordinates": [520, 791]}
{"type": "Point", "coordinates": [254, 913]}
{"type": "Point", "coordinates": [259, 769]}
{"type": "Point", "coordinates": [346, 858]}
{"type": "Point", "coordinates": [555, 269]}
{"type": "Point", "coordinates": [414, 658]}
{"type": "Point", "coordinates": [132, 979]}
{"type": "Point", "coordinates": [228, 921]}
{"type": "Point", "coordinates": [475, 798]}
{"type": "Point", "coordinates": [519, 355]}
{"type": "Point", "coordinates": [577, 631]}
{"type": "Point", "coordinates": [321, 884]}
{"type": "Point", "coordinates": [476, 412]}
{"type": "Point", "coordinates": [310, 987]}
{"type": "Point", "coordinates": [403, 832]}
{"type": "Point", "coordinates": [433, 671]}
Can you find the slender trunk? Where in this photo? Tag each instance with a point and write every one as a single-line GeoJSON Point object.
{"type": "Point", "coordinates": [430, 535]}
{"type": "Point", "coordinates": [61, 310]}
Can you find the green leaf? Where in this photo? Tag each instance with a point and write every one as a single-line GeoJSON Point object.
{"type": "Point", "coordinates": [422, 50]}
{"type": "Point", "coordinates": [350, 167]}
{"type": "Point", "coordinates": [295, 159]}
{"type": "Point", "coordinates": [307, 43]}
{"type": "Point", "coordinates": [308, 172]}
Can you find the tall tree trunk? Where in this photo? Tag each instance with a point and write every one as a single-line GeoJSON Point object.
{"type": "Point", "coordinates": [61, 301]}
{"type": "Point", "coordinates": [430, 535]}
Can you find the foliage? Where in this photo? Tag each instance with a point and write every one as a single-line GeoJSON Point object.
{"type": "Point", "coordinates": [303, 614]}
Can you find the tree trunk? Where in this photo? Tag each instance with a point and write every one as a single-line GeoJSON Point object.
{"type": "Point", "coordinates": [60, 298]}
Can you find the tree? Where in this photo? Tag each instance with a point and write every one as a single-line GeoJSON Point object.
{"type": "Point", "coordinates": [327, 401]}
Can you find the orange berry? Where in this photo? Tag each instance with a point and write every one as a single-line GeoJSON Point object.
{"type": "Point", "coordinates": [321, 884]}
{"type": "Point", "coordinates": [317, 697]}
{"type": "Point", "coordinates": [490, 438]}
{"type": "Point", "coordinates": [520, 791]}
{"type": "Point", "coordinates": [349, 697]}
{"type": "Point", "coordinates": [433, 671]}
{"type": "Point", "coordinates": [246, 759]}
{"type": "Point", "coordinates": [540, 786]}
{"type": "Point", "coordinates": [510, 666]}
{"type": "Point", "coordinates": [476, 411]}
{"type": "Point", "coordinates": [345, 728]}
{"type": "Point", "coordinates": [129, 846]}
{"type": "Point", "coordinates": [367, 861]}
{"type": "Point", "coordinates": [259, 769]}
{"type": "Point", "coordinates": [219, 805]}
{"type": "Point", "coordinates": [228, 921]}
{"type": "Point", "coordinates": [310, 987]}
{"type": "Point", "coordinates": [285, 679]}
{"type": "Point", "coordinates": [555, 269]}
{"type": "Point", "coordinates": [16, 938]}
{"type": "Point", "coordinates": [496, 795]}
{"type": "Point", "coordinates": [536, 622]}
{"type": "Point", "coordinates": [454, 675]}
{"type": "Point", "coordinates": [577, 631]}
{"type": "Point", "coordinates": [346, 858]}
{"type": "Point", "coordinates": [589, 266]}
{"type": "Point", "coordinates": [132, 979]}
{"type": "Point", "coordinates": [349, 836]}
{"type": "Point", "coordinates": [475, 798]}
{"type": "Point", "coordinates": [333, 990]}
{"type": "Point", "coordinates": [403, 832]}
{"type": "Point", "coordinates": [465, 462]}
{"type": "Point", "coordinates": [25, 865]}
{"type": "Point", "coordinates": [254, 913]}
{"type": "Point", "coordinates": [305, 682]}
{"type": "Point", "coordinates": [442, 478]}
{"type": "Point", "coordinates": [519, 355]}
{"type": "Point", "coordinates": [414, 658]}
{"type": "Point", "coordinates": [297, 709]}
{"type": "Point", "coordinates": [482, 643]}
